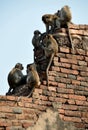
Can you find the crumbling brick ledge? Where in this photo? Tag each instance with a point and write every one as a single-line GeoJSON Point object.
{"type": "Point", "coordinates": [67, 92]}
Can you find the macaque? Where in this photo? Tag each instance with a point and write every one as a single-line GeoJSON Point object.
{"type": "Point", "coordinates": [65, 17]}
{"type": "Point", "coordinates": [36, 39]}
{"type": "Point", "coordinates": [16, 77]}
{"type": "Point", "coordinates": [49, 21]}
{"type": "Point", "coordinates": [51, 48]}
{"type": "Point", "coordinates": [33, 79]}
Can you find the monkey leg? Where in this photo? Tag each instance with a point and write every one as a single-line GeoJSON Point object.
{"type": "Point", "coordinates": [31, 92]}
{"type": "Point", "coordinates": [50, 61]}
{"type": "Point", "coordinates": [69, 34]}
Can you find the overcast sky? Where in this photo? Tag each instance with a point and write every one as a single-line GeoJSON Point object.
{"type": "Point", "coordinates": [18, 20]}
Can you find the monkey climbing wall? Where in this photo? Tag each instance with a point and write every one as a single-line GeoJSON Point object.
{"type": "Point", "coordinates": [66, 94]}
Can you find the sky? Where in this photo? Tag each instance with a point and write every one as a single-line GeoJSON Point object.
{"type": "Point", "coordinates": [18, 20]}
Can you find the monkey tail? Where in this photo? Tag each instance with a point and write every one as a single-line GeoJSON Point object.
{"type": "Point", "coordinates": [69, 34]}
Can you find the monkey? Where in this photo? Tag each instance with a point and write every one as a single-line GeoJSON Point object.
{"type": "Point", "coordinates": [36, 39]}
{"type": "Point", "coordinates": [49, 21]}
{"type": "Point", "coordinates": [60, 19]}
{"type": "Point", "coordinates": [16, 77]}
{"type": "Point", "coordinates": [51, 48]}
{"type": "Point", "coordinates": [65, 17]}
{"type": "Point", "coordinates": [33, 79]}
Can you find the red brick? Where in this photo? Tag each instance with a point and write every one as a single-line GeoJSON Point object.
{"type": "Point", "coordinates": [84, 114]}
{"type": "Point", "coordinates": [63, 90]}
{"type": "Point", "coordinates": [62, 95]}
{"type": "Point", "coordinates": [61, 111]}
{"type": "Point", "coordinates": [62, 85]}
{"type": "Point", "coordinates": [51, 78]}
{"type": "Point", "coordinates": [55, 68]}
{"type": "Point", "coordinates": [52, 73]}
{"type": "Point", "coordinates": [83, 73]}
{"type": "Point", "coordinates": [11, 98]}
{"type": "Point", "coordinates": [52, 89]}
{"type": "Point", "coordinates": [53, 83]}
{"type": "Point", "coordinates": [86, 59]}
{"type": "Point", "coordinates": [65, 65]}
{"type": "Point", "coordinates": [70, 107]}
{"type": "Point", "coordinates": [77, 97]}
{"type": "Point", "coordinates": [75, 82]}
{"type": "Point", "coordinates": [72, 102]}
{"type": "Point", "coordinates": [26, 125]}
{"type": "Point", "coordinates": [80, 78]}
{"type": "Point", "coordinates": [44, 98]}
{"type": "Point", "coordinates": [72, 113]}
{"type": "Point", "coordinates": [80, 57]}
{"type": "Point", "coordinates": [72, 61]}
{"type": "Point", "coordinates": [69, 71]}
{"type": "Point", "coordinates": [10, 116]}
{"type": "Point", "coordinates": [72, 119]}
{"type": "Point", "coordinates": [62, 100]}
{"type": "Point", "coordinates": [65, 50]}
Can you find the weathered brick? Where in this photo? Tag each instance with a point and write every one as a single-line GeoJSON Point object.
{"type": "Point", "coordinates": [55, 68]}
{"type": "Point", "coordinates": [62, 85]}
{"type": "Point", "coordinates": [83, 73]}
{"type": "Point", "coordinates": [77, 97]}
{"type": "Point", "coordinates": [83, 63]}
{"type": "Point", "coordinates": [75, 82]}
{"type": "Point", "coordinates": [72, 102]}
{"type": "Point", "coordinates": [52, 89]}
{"type": "Point", "coordinates": [72, 119]}
{"type": "Point", "coordinates": [86, 58]}
{"type": "Point", "coordinates": [63, 90]}
{"type": "Point", "coordinates": [84, 84]}
{"type": "Point", "coordinates": [65, 50]}
{"type": "Point", "coordinates": [72, 113]}
{"type": "Point", "coordinates": [70, 107]}
{"type": "Point", "coordinates": [65, 65]}
{"type": "Point", "coordinates": [71, 76]}
{"type": "Point", "coordinates": [51, 78]}
{"type": "Point", "coordinates": [69, 71]}
{"type": "Point", "coordinates": [72, 61]}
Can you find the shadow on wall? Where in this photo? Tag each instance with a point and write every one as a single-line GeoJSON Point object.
{"type": "Point", "coordinates": [50, 120]}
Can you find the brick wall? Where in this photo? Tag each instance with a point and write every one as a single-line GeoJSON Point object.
{"type": "Point", "coordinates": [67, 91]}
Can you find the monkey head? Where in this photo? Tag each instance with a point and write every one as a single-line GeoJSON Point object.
{"type": "Point", "coordinates": [31, 67]}
{"type": "Point", "coordinates": [19, 66]}
{"type": "Point", "coordinates": [49, 18]}
{"type": "Point", "coordinates": [37, 32]}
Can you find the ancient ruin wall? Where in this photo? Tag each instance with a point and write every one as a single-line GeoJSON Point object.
{"type": "Point", "coordinates": [67, 92]}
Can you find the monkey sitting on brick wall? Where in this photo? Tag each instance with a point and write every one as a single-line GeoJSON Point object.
{"type": "Point", "coordinates": [33, 79]}
{"type": "Point", "coordinates": [50, 47]}
{"type": "Point", "coordinates": [16, 77]}
{"type": "Point", "coordinates": [60, 19]}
